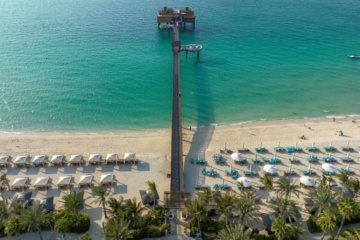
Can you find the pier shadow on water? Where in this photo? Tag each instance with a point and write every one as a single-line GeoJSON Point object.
{"type": "Point", "coordinates": [204, 117]}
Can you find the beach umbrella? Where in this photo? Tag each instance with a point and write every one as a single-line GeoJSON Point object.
{"type": "Point", "coordinates": [94, 157]}
{"type": "Point", "coordinates": [307, 181]}
{"type": "Point", "coordinates": [38, 159]}
{"type": "Point", "coordinates": [41, 181]}
{"type": "Point", "coordinates": [270, 168]}
{"type": "Point", "coordinates": [86, 179]}
{"type": "Point", "coordinates": [292, 156]}
{"type": "Point", "coordinates": [245, 181]}
{"type": "Point", "coordinates": [243, 145]}
{"type": "Point", "coordinates": [19, 182]}
{"type": "Point", "coordinates": [3, 159]}
{"type": "Point", "coordinates": [57, 159]}
{"type": "Point", "coordinates": [328, 167]}
{"type": "Point", "coordinates": [237, 157]}
{"type": "Point", "coordinates": [106, 178]}
{"type": "Point", "coordinates": [64, 180]}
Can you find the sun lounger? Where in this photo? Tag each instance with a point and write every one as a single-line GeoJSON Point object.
{"type": "Point", "coordinates": [347, 149]}
{"type": "Point", "coordinates": [250, 173]}
{"type": "Point", "coordinates": [257, 161]}
{"type": "Point", "coordinates": [329, 148]}
{"type": "Point", "coordinates": [274, 160]}
{"type": "Point", "coordinates": [240, 150]}
{"type": "Point", "coordinates": [271, 174]}
{"type": "Point", "coordinates": [279, 149]}
{"type": "Point", "coordinates": [347, 159]}
{"type": "Point", "coordinates": [260, 149]}
{"type": "Point", "coordinates": [200, 161]}
{"type": "Point", "coordinates": [235, 176]}
{"type": "Point", "coordinates": [216, 186]}
{"type": "Point", "coordinates": [289, 172]}
{"type": "Point", "coordinates": [312, 159]}
{"type": "Point", "coordinates": [238, 186]}
{"type": "Point", "coordinates": [294, 160]}
{"type": "Point", "coordinates": [329, 159]}
{"type": "Point", "coordinates": [271, 198]}
{"type": "Point", "coordinates": [308, 172]}
{"type": "Point", "coordinates": [312, 149]}
{"type": "Point", "coordinates": [346, 171]}
{"type": "Point", "coordinates": [328, 173]}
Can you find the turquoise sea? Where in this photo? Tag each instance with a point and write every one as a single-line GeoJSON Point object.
{"type": "Point", "coordinates": [103, 65]}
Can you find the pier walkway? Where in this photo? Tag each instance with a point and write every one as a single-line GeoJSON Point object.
{"type": "Point", "coordinates": [177, 174]}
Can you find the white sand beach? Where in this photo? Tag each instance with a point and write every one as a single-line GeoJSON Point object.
{"type": "Point", "coordinates": [152, 148]}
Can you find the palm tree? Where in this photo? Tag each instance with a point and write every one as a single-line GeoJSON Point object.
{"type": "Point", "coordinates": [246, 209]}
{"type": "Point", "coordinates": [117, 229]}
{"type": "Point", "coordinates": [323, 200]}
{"type": "Point", "coordinates": [134, 210]}
{"type": "Point", "coordinates": [116, 206]}
{"type": "Point", "coordinates": [327, 223]}
{"type": "Point", "coordinates": [285, 207]}
{"type": "Point", "coordinates": [100, 193]}
{"type": "Point", "coordinates": [235, 232]}
{"type": "Point", "coordinates": [32, 218]}
{"type": "Point", "coordinates": [206, 196]}
{"type": "Point", "coordinates": [73, 201]}
{"type": "Point", "coordinates": [268, 183]}
{"type": "Point", "coordinates": [197, 212]}
{"type": "Point", "coordinates": [344, 178]}
{"type": "Point", "coordinates": [350, 234]}
{"type": "Point", "coordinates": [355, 186]}
{"type": "Point", "coordinates": [284, 186]}
{"type": "Point", "coordinates": [4, 212]}
{"type": "Point", "coordinates": [297, 230]}
{"type": "Point", "coordinates": [348, 209]}
{"type": "Point", "coordinates": [225, 204]}
{"type": "Point", "coordinates": [153, 190]}
{"type": "Point", "coordinates": [280, 228]}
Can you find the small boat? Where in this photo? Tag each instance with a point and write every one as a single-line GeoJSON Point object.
{"type": "Point", "coordinates": [354, 56]}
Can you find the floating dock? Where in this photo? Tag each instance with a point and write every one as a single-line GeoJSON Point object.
{"type": "Point", "coordinates": [182, 16]}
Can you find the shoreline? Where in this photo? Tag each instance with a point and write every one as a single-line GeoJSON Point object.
{"type": "Point", "coordinates": [161, 130]}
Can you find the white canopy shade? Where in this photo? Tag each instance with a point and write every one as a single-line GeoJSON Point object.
{"type": "Point", "coordinates": [64, 180]}
{"type": "Point", "coordinates": [307, 181]}
{"type": "Point", "coordinates": [112, 157]}
{"type": "Point", "coordinates": [129, 156]}
{"type": "Point", "coordinates": [245, 181]}
{"type": "Point", "coordinates": [20, 159]}
{"type": "Point", "coordinates": [19, 182]}
{"type": "Point", "coordinates": [86, 179]}
{"type": "Point", "coordinates": [270, 168]}
{"type": "Point", "coordinates": [106, 178]}
{"type": "Point", "coordinates": [4, 159]}
{"type": "Point", "coordinates": [328, 167]}
{"type": "Point", "coordinates": [94, 157]}
{"type": "Point", "coordinates": [57, 159]}
{"type": "Point", "coordinates": [237, 157]}
{"type": "Point", "coordinates": [75, 158]}
{"type": "Point", "coordinates": [38, 159]}
{"type": "Point", "coordinates": [41, 181]}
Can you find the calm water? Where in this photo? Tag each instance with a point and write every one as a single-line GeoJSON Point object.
{"type": "Point", "coordinates": [90, 65]}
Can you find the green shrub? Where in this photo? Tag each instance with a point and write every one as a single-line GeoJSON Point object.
{"type": "Point", "coordinates": [313, 228]}
{"type": "Point", "coordinates": [72, 224]}
{"type": "Point", "coordinates": [12, 226]}
{"type": "Point", "coordinates": [86, 236]}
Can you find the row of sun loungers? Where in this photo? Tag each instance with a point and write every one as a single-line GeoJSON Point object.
{"type": "Point", "coordinates": [42, 160]}
{"type": "Point", "coordinates": [291, 149]}
{"type": "Point", "coordinates": [63, 182]}
{"type": "Point", "coordinates": [211, 173]}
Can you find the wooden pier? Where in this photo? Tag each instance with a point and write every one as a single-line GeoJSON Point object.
{"type": "Point", "coordinates": [183, 17]}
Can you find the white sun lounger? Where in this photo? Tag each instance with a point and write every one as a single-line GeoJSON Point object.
{"type": "Point", "coordinates": [76, 159]}
{"type": "Point", "coordinates": [94, 159]}
{"type": "Point", "coordinates": [111, 157]}
{"type": "Point", "coordinates": [57, 160]}
{"type": "Point", "coordinates": [42, 182]}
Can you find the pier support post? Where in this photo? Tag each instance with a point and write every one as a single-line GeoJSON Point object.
{"type": "Point", "coordinates": [186, 54]}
